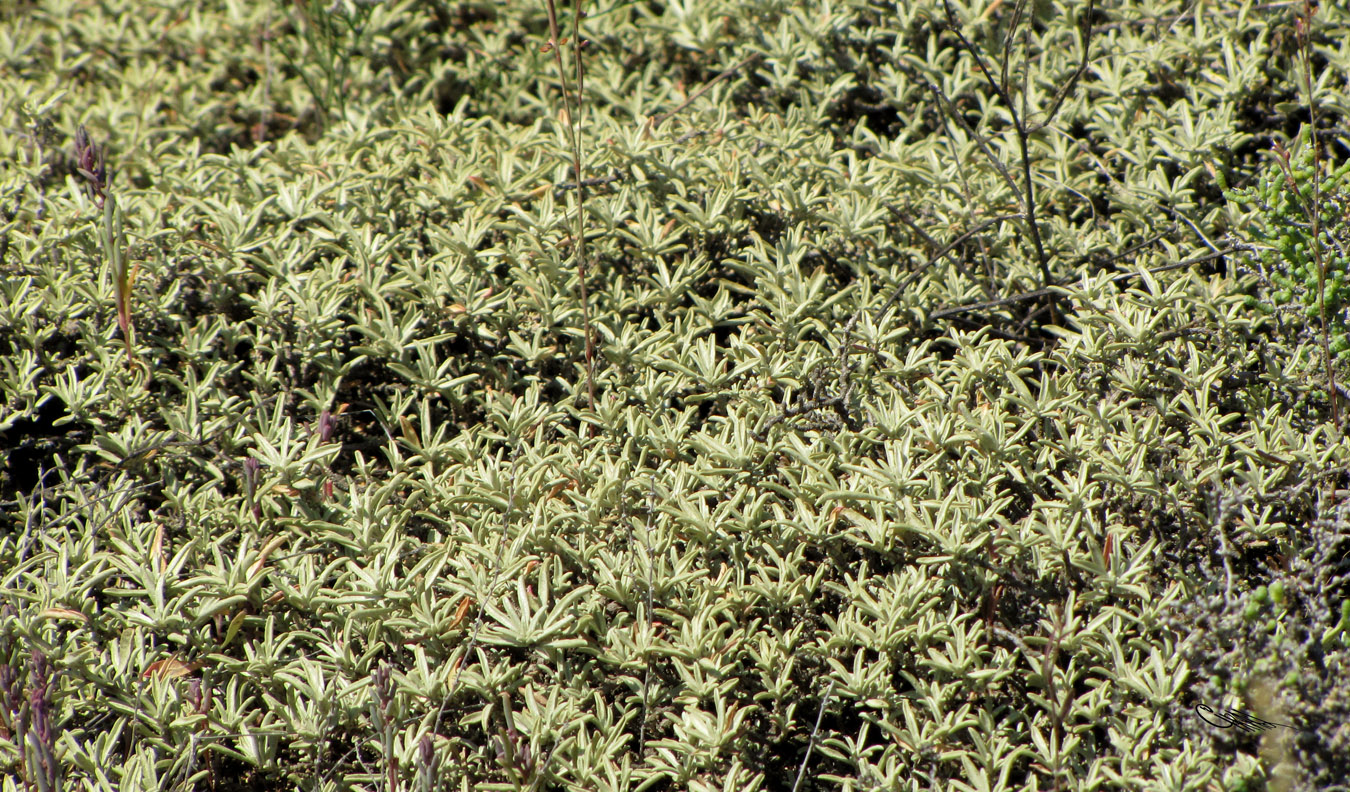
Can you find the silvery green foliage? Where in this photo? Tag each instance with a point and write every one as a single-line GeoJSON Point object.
{"type": "Point", "coordinates": [349, 523]}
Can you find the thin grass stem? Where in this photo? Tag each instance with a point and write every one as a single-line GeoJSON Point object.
{"type": "Point", "coordinates": [572, 109]}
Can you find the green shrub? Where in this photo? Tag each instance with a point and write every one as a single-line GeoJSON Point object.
{"type": "Point", "coordinates": [1282, 228]}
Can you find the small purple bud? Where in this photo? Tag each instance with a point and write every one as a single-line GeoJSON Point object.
{"type": "Point", "coordinates": [426, 753]}
{"type": "Point", "coordinates": [195, 695]}
{"type": "Point", "coordinates": [42, 720]}
{"type": "Point", "coordinates": [84, 151]}
{"type": "Point", "coordinates": [327, 425]}
{"type": "Point", "coordinates": [89, 163]}
{"type": "Point", "coordinates": [42, 671]}
{"type": "Point", "coordinates": [382, 693]}
{"type": "Point", "coordinates": [251, 469]}
{"type": "Point", "coordinates": [526, 760]}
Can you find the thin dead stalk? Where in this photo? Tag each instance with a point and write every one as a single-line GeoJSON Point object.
{"type": "Point", "coordinates": [1303, 30]}
{"type": "Point", "coordinates": [572, 109]}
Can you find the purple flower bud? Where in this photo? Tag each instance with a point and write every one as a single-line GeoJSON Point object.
{"type": "Point", "coordinates": [251, 470]}
{"type": "Point", "coordinates": [426, 753]}
{"type": "Point", "coordinates": [382, 692]}
{"type": "Point", "coordinates": [42, 716]}
{"type": "Point", "coordinates": [89, 163]}
{"type": "Point", "coordinates": [42, 672]}
{"type": "Point", "coordinates": [85, 152]}
{"type": "Point", "coordinates": [526, 760]}
{"type": "Point", "coordinates": [327, 425]}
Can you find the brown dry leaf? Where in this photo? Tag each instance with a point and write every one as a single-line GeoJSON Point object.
{"type": "Point", "coordinates": [409, 433]}
{"type": "Point", "coordinates": [461, 612]}
{"type": "Point", "coordinates": [272, 544]}
{"type": "Point", "coordinates": [565, 484]}
{"type": "Point", "coordinates": [157, 548]}
{"type": "Point", "coordinates": [169, 668]}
